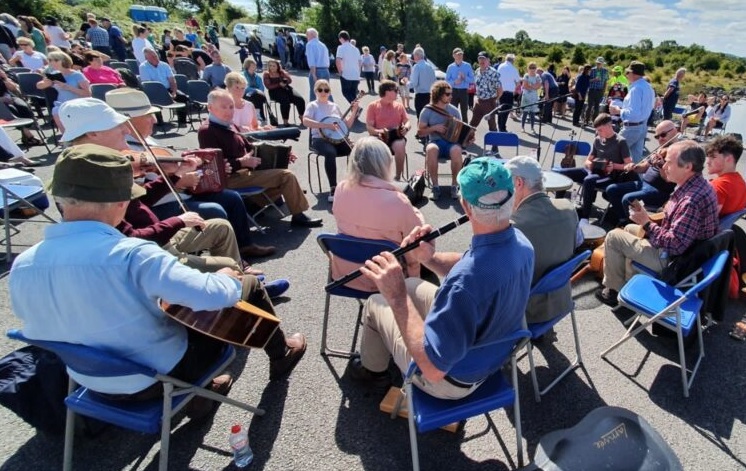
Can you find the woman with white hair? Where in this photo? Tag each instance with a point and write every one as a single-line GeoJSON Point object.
{"type": "Point", "coordinates": [367, 204]}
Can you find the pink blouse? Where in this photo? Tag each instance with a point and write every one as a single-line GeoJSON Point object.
{"type": "Point", "coordinates": [245, 117]}
{"type": "Point", "coordinates": [373, 209]}
{"type": "Point", "coordinates": [103, 75]}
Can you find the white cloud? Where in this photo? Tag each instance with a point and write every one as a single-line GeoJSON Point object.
{"type": "Point", "coordinates": [453, 5]}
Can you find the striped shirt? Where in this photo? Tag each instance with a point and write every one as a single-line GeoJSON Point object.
{"type": "Point", "coordinates": [97, 36]}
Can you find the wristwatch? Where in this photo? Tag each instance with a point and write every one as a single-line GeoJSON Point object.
{"type": "Point", "coordinates": [646, 226]}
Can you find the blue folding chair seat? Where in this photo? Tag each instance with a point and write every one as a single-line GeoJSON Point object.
{"type": "Point", "coordinates": [669, 306]}
{"type": "Point", "coordinates": [727, 221]}
{"type": "Point", "coordinates": [426, 412]}
{"type": "Point", "coordinates": [555, 279]}
{"type": "Point", "coordinates": [356, 250]}
{"type": "Point", "coordinates": [142, 416]}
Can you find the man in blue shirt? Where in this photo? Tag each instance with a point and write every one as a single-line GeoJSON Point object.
{"type": "Point", "coordinates": [460, 76]}
{"type": "Point", "coordinates": [116, 39]}
{"type": "Point", "coordinates": [551, 91]}
{"type": "Point", "coordinates": [214, 74]}
{"type": "Point", "coordinates": [92, 285]}
{"type": "Point", "coordinates": [156, 71]}
{"type": "Point", "coordinates": [443, 330]}
{"type": "Point", "coordinates": [636, 109]}
{"type": "Point", "coordinates": [317, 56]}
{"type": "Point", "coordinates": [423, 77]}
{"type": "Point", "coordinates": [98, 37]}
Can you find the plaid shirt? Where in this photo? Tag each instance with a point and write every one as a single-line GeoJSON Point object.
{"type": "Point", "coordinates": [690, 215]}
{"type": "Point", "coordinates": [98, 36]}
{"type": "Point", "coordinates": [488, 83]}
{"type": "Point", "coordinates": [602, 74]}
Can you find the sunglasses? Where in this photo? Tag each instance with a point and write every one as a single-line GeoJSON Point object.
{"type": "Point", "coordinates": [663, 134]}
{"type": "Point", "coordinates": [323, 90]}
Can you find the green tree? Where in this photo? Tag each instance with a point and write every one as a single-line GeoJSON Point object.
{"type": "Point", "coordinates": [522, 36]}
{"type": "Point", "coordinates": [578, 56]}
{"type": "Point", "coordinates": [285, 10]}
{"type": "Point", "coordinates": [555, 54]}
{"type": "Point", "coordinates": [645, 44]}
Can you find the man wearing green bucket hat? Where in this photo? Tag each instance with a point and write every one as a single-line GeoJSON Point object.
{"type": "Point", "coordinates": [482, 298]}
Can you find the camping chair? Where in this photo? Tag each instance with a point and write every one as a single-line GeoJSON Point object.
{"type": "Point", "coordinates": [142, 416]}
{"type": "Point", "coordinates": [19, 197]}
{"type": "Point", "coordinates": [355, 250]}
{"type": "Point", "coordinates": [427, 413]}
{"type": "Point", "coordinates": [497, 139]}
{"type": "Point", "coordinates": [671, 308]}
{"type": "Point", "coordinates": [557, 278]}
{"type": "Point", "coordinates": [159, 96]}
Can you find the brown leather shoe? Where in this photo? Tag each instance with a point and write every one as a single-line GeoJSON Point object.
{"type": "Point", "coordinates": [255, 250]}
{"type": "Point", "coordinates": [283, 366]}
{"type": "Point", "coordinates": [200, 406]}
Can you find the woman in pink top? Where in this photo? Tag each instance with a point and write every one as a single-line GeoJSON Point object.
{"type": "Point", "coordinates": [97, 72]}
{"type": "Point", "coordinates": [367, 204]}
{"type": "Point", "coordinates": [244, 113]}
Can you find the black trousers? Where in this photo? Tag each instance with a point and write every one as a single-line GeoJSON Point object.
{"type": "Point", "coordinates": [285, 97]}
{"type": "Point", "coordinates": [420, 100]}
{"type": "Point", "coordinates": [506, 103]}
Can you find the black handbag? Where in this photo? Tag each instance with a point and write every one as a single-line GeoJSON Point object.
{"type": "Point", "coordinates": [415, 189]}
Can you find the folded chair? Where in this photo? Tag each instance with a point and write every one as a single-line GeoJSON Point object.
{"type": "Point", "coordinates": [554, 280]}
{"type": "Point", "coordinates": [141, 416]}
{"type": "Point", "coordinates": [658, 302]}
{"type": "Point", "coordinates": [427, 413]}
{"type": "Point", "coordinates": [14, 197]}
{"type": "Point", "coordinates": [355, 250]}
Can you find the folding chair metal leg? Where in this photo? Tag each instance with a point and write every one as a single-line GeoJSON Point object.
{"type": "Point", "coordinates": [517, 410]}
{"type": "Point", "coordinates": [325, 350]}
{"type": "Point", "coordinates": [168, 389]}
{"type": "Point", "coordinates": [67, 457]}
{"type": "Point", "coordinates": [412, 428]}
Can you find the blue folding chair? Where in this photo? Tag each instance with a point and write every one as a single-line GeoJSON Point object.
{"type": "Point", "coordinates": [556, 279]}
{"type": "Point", "coordinates": [99, 90]}
{"type": "Point", "coordinates": [495, 138]}
{"type": "Point", "coordinates": [355, 250]}
{"type": "Point", "coordinates": [197, 91]}
{"type": "Point", "coordinates": [426, 412]}
{"type": "Point", "coordinates": [159, 96]}
{"type": "Point", "coordinates": [727, 221]}
{"type": "Point", "coordinates": [142, 416]}
{"type": "Point", "coordinates": [581, 148]}
{"type": "Point", "coordinates": [133, 66]}
{"type": "Point", "coordinates": [182, 83]}
{"type": "Point", "coordinates": [670, 307]}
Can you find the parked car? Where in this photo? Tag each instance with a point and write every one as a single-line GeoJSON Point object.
{"type": "Point", "coordinates": [439, 74]}
{"type": "Point", "coordinates": [268, 33]}
{"type": "Point", "coordinates": [242, 32]}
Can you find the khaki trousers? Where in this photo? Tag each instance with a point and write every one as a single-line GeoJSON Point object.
{"type": "Point", "coordinates": [276, 183]}
{"type": "Point", "coordinates": [382, 338]}
{"type": "Point", "coordinates": [622, 248]}
{"type": "Point", "coordinates": [216, 237]}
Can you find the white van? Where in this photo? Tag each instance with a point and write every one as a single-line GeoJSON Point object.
{"type": "Point", "coordinates": [268, 32]}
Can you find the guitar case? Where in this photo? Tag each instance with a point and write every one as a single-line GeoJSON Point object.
{"type": "Point", "coordinates": [609, 438]}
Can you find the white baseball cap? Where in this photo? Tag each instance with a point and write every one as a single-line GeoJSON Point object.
{"type": "Point", "coordinates": [83, 115]}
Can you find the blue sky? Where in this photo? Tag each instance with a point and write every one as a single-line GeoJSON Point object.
{"type": "Point", "coordinates": [719, 25]}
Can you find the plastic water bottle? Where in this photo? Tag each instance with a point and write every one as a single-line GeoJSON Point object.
{"type": "Point", "coordinates": [239, 441]}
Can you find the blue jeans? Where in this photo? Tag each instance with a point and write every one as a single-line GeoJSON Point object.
{"type": "Point", "coordinates": [590, 183]}
{"type": "Point", "coordinates": [321, 73]}
{"type": "Point", "coordinates": [226, 204]}
{"type": "Point", "coordinates": [620, 195]}
{"type": "Point", "coordinates": [635, 137]}
{"type": "Point", "coordinates": [283, 56]}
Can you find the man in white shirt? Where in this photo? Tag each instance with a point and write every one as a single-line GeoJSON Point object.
{"type": "Point", "coordinates": [509, 79]}
{"type": "Point", "coordinates": [348, 65]}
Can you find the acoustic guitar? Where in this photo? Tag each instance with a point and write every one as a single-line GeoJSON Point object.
{"type": "Point", "coordinates": [243, 324]}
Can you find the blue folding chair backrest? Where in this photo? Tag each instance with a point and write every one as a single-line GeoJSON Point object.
{"type": "Point", "coordinates": [727, 221]}
{"type": "Point", "coordinates": [182, 83]}
{"type": "Point", "coordinates": [494, 138]}
{"type": "Point", "coordinates": [157, 93]}
{"type": "Point", "coordinates": [198, 90]}
{"type": "Point", "coordinates": [133, 66]}
{"type": "Point", "coordinates": [711, 269]}
{"type": "Point", "coordinates": [87, 360]}
{"type": "Point", "coordinates": [99, 90]}
{"type": "Point", "coordinates": [581, 148]}
{"type": "Point", "coordinates": [355, 250]}
{"type": "Point", "coordinates": [18, 70]}
{"type": "Point", "coordinates": [558, 276]}
{"type": "Point", "coordinates": [27, 82]}
{"type": "Point", "coordinates": [118, 65]}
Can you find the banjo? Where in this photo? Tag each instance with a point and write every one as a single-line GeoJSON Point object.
{"type": "Point", "coordinates": [340, 132]}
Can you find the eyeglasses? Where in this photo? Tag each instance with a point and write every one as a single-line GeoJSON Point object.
{"type": "Point", "coordinates": [323, 90]}
{"type": "Point", "coordinates": [663, 134]}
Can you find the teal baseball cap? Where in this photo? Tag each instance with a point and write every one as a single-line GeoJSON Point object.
{"type": "Point", "coordinates": [482, 176]}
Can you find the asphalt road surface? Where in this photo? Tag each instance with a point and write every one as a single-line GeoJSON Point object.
{"type": "Point", "coordinates": [318, 420]}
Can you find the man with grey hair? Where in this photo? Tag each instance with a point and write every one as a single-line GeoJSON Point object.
{"type": "Point", "coordinates": [317, 57]}
{"type": "Point", "coordinates": [691, 215]}
{"type": "Point", "coordinates": [156, 71]}
{"type": "Point", "coordinates": [422, 78]}
{"type": "Point", "coordinates": [551, 226]}
{"type": "Point", "coordinates": [444, 329]}
{"type": "Point", "coordinates": [509, 80]}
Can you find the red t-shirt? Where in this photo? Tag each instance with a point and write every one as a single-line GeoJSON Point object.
{"type": "Point", "coordinates": [731, 192]}
{"type": "Point", "coordinates": [382, 116]}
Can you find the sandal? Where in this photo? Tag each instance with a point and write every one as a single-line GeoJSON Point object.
{"type": "Point", "coordinates": [739, 331]}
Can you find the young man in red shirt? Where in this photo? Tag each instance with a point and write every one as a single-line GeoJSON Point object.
{"type": "Point", "coordinates": [723, 153]}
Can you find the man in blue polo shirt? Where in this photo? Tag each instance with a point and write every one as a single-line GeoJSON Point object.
{"type": "Point", "coordinates": [317, 56]}
{"type": "Point", "coordinates": [635, 110]}
{"type": "Point", "coordinates": [440, 328]}
{"type": "Point", "coordinates": [460, 75]}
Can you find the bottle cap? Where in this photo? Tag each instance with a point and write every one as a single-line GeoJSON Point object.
{"type": "Point", "coordinates": [236, 428]}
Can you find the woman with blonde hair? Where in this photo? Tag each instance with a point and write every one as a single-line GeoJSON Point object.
{"type": "Point", "coordinates": [368, 204]}
{"type": "Point", "coordinates": [75, 84]}
{"type": "Point", "coordinates": [244, 113]}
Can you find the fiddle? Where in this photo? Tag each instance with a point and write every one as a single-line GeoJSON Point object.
{"type": "Point", "coordinates": [568, 161]}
